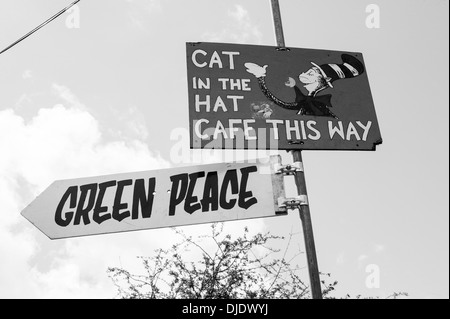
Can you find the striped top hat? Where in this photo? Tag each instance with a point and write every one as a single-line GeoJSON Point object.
{"type": "Point", "coordinates": [350, 68]}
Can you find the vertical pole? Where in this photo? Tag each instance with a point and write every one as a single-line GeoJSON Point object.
{"type": "Point", "coordinates": [278, 24]}
{"type": "Point", "coordinates": [300, 181]}
{"type": "Point", "coordinates": [308, 234]}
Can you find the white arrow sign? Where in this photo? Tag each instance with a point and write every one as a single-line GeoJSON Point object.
{"type": "Point", "coordinates": [156, 199]}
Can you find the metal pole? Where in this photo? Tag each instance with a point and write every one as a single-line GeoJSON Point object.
{"type": "Point", "coordinates": [300, 181]}
{"type": "Point", "coordinates": [278, 23]}
{"type": "Point", "coordinates": [308, 234]}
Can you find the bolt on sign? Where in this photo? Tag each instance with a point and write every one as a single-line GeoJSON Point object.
{"type": "Point", "coordinates": [263, 97]}
{"type": "Point", "coordinates": [156, 199]}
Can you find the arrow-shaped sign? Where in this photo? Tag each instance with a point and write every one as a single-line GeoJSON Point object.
{"type": "Point", "coordinates": [157, 199]}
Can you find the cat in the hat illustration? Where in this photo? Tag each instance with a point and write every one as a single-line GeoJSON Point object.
{"type": "Point", "coordinates": [315, 80]}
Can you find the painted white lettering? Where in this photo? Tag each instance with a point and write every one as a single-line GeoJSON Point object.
{"type": "Point", "coordinates": [336, 130]}
{"type": "Point", "coordinates": [275, 124]}
{"type": "Point", "coordinates": [206, 103]}
{"type": "Point", "coordinates": [235, 99]}
{"type": "Point", "coordinates": [310, 125]}
{"type": "Point", "coordinates": [290, 129]}
{"type": "Point", "coordinates": [197, 129]}
{"type": "Point", "coordinates": [231, 56]}
{"type": "Point", "coordinates": [194, 58]}
{"type": "Point", "coordinates": [366, 129]}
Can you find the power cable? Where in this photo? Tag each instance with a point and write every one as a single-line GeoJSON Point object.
{"type": "Point", "coordinates": [40, 26]}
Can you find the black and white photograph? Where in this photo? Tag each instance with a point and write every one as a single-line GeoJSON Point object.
{"type": "Point", "coordinates": [224, 153]}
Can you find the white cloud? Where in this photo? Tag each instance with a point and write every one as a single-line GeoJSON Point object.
{"type": "Point", "coordinates": [241, 30]}
{"type": "Point", "coordinates": [140, 9]}
{"type": "Point", "coordinates": [379, 248]}
{"type": "Point", "coordinates": [57, 143]}
{"type": "Point", "coordinates": [131, 122]}
{"type": "Point", "coordinates": [340, 259]}
{"type": "Point", "coordinates": [153, 6]}
{"type": "Point", "coordinates": [240, 14]}
{"type": "Point", "coordinates": [362, 260]}
{"type": "Point", "coordinates": [67, 96]}
{"type": "Point", "coordinates": [27, 74]}
{"type": "Point", "coordinates": [23, 101]}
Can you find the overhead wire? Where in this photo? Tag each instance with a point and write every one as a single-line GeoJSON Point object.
{"type": "Point", "coordinates": [40, 26]}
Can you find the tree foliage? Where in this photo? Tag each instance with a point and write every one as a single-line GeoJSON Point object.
{"type": "Point", "coordinates": [247, 267]}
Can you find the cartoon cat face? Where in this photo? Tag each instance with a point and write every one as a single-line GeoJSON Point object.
{"type": "Point", "coordinates": [313, 75]}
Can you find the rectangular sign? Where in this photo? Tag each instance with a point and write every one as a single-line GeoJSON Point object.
{"type": "Point", "coordinates": [156, 199]}
{"type": "Point", "coordinates": [261, 97]}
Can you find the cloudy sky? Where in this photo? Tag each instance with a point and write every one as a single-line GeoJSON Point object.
{"type": "Point", "coordinates": [110, 96]}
